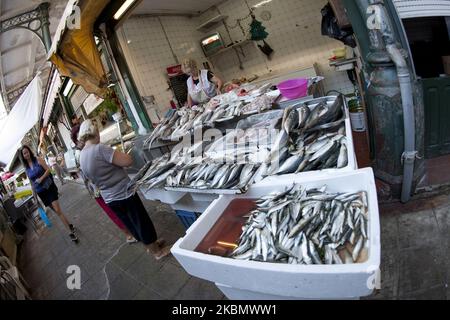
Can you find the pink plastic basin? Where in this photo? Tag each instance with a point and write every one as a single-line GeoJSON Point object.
{"type": "Point", "coordinates": [294, 88]}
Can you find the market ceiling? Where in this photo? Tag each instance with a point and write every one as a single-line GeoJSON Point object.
{"type": "Point", "coordinates": [174, 6]}
{"type": "Point", "coordinates": [22, 54]}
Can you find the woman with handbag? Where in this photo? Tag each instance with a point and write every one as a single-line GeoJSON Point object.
{"type": "Point", "coordinates": [202, 85]}
{"type": "Point", "coordinates": [42, 183]}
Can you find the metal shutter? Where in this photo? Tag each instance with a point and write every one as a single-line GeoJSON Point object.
{"type": "Point", "coordinates": [422, 8]}
{"type": "Point", "coordinates": [78, 98]}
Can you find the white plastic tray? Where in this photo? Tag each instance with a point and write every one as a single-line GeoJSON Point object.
{"type": "Point", "coordinates": [292, 281]}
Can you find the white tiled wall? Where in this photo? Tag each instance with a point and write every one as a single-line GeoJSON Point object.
{"type": "Point", "coordinates": [151, 52]}
{"type": "Point", "coordinates": [294, 33]}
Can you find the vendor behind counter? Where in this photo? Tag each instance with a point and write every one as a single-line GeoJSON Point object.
{"type": "Point", "coordinates": [202, 84]}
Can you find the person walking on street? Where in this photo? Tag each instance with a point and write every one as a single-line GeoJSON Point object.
{"type": "Point", "coordinates": [53, 163]}
{"type": "Point", "coordinates": [104, 166]}
{"type": "Point", "coordinates": [43, 185]}
{"type": "Point", "coordinates": [74, 132]}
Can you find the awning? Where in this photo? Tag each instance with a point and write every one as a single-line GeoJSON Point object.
{"type": "Point", "coordinates": [51, 97]}
{"type": "Point", "coordinates": [20, 120]}
{"type": "Point", "coordinates": [74, 51]}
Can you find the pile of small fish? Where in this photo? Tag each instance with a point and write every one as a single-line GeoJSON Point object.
{"type": "Point", "coordinates": [213, 176]}
{"type": "Point", "coordinates": [259, 105]}
{"type": "Point", "coordinates": [220, 108]}
{"type": "Point", "coordinates": [224, 111]}
{"type": "Point", "coordinates": [156, 173]}
{"type": "Point", "coordinates": [301, 226]}
{"type": "Point", "coordinates": [178, 124]}
{"type": "Point", "coordinates": [309, 140]}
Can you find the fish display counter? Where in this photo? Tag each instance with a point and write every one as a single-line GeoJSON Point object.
{"type": "Point", "coordinates": [295, 237]}
{"type": "Point", "coordinates": [305, 138]}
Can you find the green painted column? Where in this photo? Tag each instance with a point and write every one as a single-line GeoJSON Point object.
{"type": "Point", "coordinates": [128, 80]}
{"type": "Point", "coordinates": [45, 25]}
{"type": "Point", "coordinates": [384, 102]}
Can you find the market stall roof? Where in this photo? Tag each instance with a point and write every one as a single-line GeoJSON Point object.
{"type": "Point", "coordinates": [51, 97]}
{"type": "Point", "coordinates": [74, 51]}
{"type": "Point", "coordinates": [422, 8]}
{"type": "Point", "coordinates": [7, 175]}
{"type": "Point", "coordinates": [22, 53]}
{"type": "Point", "coordinates": [20, 120]}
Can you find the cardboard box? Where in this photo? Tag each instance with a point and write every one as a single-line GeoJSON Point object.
{"type": "Point", "coordinates": [446, 61]}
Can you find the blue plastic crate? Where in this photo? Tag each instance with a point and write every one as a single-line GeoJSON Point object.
{"type": "Point", "coordinates": [187, 218]}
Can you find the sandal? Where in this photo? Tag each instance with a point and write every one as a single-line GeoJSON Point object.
{"type": "Point", "coordinates": [160, 242]}
{"type": "Point", "coordinates": [131, 240]}
{"type": "Point", "coordinates": [164, 252]}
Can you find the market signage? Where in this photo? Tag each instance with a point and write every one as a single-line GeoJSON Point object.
{"type": "Point", "coordinates": [91, 103]}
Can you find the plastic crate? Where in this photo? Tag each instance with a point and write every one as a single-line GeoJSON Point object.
{"type": "Point", "coordinates": [187, 218]}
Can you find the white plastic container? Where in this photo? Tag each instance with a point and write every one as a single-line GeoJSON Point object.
{"type": "Point", "coordinates": [348, 281]}
{"type": "Point", "coordinates": [239, 294]}
{"type": "Point", "coordinates": [203, 195]}
{"type": "Point", "coordinates": [186, 203]}
{"type": "Point", "coordinates": [358, 121]}
{"type": "Point", "coordinates": [169, 197]}
{"type": "Point", "coordinates": [351, 155]}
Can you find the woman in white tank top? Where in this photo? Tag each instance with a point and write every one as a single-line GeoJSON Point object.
{"type": "Point", "coordinates": [202, 84]}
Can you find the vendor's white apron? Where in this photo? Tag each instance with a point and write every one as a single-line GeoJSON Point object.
{"type": "Point", "coordinates": [203, 91]}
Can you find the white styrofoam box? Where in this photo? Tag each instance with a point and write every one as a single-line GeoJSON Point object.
{"type": "Point", "coordinates": [159, 194]}
{"type": "Point", "coordinates": [298, 281]}
{"type": "Point", "coordinates": [239, 294]}
{"type": "Point", "coordinates": [186, 203]}
{"type": "Point", "coordinates": [351, 155]}
{"type": "Point", "coordinates": [204, 195]}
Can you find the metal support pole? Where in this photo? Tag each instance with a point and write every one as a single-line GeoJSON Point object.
{"type": "Point", "coordinates": [120, 135]}
{"type": "Point", "coordinates": [45, 25]}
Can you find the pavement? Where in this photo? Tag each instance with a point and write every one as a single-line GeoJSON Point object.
{"type": "Point", "coordinates": [414, 257]}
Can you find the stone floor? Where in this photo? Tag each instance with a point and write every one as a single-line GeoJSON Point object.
{"type": "Point", "coordinates": [415, 255]}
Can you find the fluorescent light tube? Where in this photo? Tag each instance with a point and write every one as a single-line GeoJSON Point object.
{"type": "Point", "coordinates": [123, 9]}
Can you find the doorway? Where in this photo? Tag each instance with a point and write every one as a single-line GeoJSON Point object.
{"type": "Point", "coordinates": [429, 40]}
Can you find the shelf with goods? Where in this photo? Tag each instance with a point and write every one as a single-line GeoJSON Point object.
{"type": "Point", "coordinates": [236, 45]}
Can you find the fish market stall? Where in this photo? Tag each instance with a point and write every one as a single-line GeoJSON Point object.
{"type": "Point", "coordinates": [292, 238]}
{"type": "Point", "coordinates": [242, 138]}
{"type": "Point", "coordinates": [306, 138]}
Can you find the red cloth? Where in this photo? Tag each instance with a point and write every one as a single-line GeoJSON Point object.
{"type": "Point", "coordinates": [110, 213]}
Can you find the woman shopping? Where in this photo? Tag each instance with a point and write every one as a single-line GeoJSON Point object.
{"type": "Point", "coordinates": [202, 85]}
{"type": "Point", "coordinates": [42, 183]}
{"type": "Point", "coordinates": [104, 166]}
{"type": "Point", "coordinates": [53, 163]}
{"type": "Point", "coordinates": [95, 193]}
